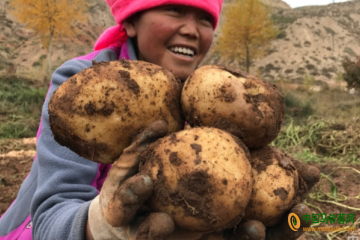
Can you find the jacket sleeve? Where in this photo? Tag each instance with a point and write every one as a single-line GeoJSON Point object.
{"type": "Point", "coordinates": [60, 205]}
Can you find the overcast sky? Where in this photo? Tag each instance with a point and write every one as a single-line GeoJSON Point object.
{"type": "Point", "coordinates": [301, 3]}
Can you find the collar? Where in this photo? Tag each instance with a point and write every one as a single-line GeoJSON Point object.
{"type": "Point", "coordinates": [128, 50]}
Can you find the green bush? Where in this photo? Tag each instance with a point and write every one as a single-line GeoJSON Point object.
{"type": "Point", "coordinates": [297, 108]}
{"type": "Point", "coordinates": [19, 129]}
{"type": "Point", "coordinates": [352, 72]}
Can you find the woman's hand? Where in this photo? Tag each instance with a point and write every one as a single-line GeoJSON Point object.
{"type": "Point", "coordinates": [116, 212]}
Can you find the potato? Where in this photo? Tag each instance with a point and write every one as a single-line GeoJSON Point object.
{"type": "Point", "coordinates": [202, 178]}
{"type": "Point", "coordinates": [96, 112]}
{"type": "Point", "coordinates": [242, 104]}
{"type": "Point", "coordinates": [275, 188]}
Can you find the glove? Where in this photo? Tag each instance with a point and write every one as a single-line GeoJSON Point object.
{"type": "Point", "coordinates": [255, 230]}
{"type": "Point", "coordinates": [118, 212]}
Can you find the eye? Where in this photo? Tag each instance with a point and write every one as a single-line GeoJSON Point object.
{"type": "Point", "coordinates": [209, 19]}
{"type": "Point", "coordinates": [173, 9]}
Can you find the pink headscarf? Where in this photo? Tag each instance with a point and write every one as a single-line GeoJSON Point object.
{"type": "Point", "coordinates": [122, 9]}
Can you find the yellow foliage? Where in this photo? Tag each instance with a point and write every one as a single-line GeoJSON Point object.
{"type": "Point", "coordinates": [50, 17]}
{"type": "Point", "coordinates": [247, 31]}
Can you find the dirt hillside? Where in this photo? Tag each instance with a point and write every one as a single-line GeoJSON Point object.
{"type": "Point", "coordinates": [313, 41]}
{"type": "Point", "coordinates": [21, 51]}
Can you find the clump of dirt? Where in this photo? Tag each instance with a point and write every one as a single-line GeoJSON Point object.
{"type": "Point", "coordinates": [174, 159]}
{"type": "Point", "coordinates": [192, 194]}
{"type": "Point", "coordinates": [131, 83]}
{"type": "Point", "coordinates": [229, 126]}
{"type": "Point", "coordinates": [125, 63]}
{"type": "Point", "coordinates": [266, 159]}
{"type": "Point", "coordinates": [228, 93]}
{"type": "Point", "coordinates": [193, 190]}
{"type": "Point", "coordinates": [282, 193]}
{"type": "Point", "coordinates": [197, 149]}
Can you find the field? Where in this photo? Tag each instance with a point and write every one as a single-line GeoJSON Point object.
{"type": "Point", "coordinates": [320, 128]}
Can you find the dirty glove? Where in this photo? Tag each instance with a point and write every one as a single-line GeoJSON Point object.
{"type": "Point", "coordinates": [255, 230]}
{"type": "Point", "coordinates": [113, 214]}
{"type": "Point", "coordinates": [119, 212]}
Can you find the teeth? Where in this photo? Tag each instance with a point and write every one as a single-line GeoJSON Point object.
{"type": "Point", "coordinates": [182, 50]}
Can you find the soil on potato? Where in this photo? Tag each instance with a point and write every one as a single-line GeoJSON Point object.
{"type": "Point", "coordinates": [193, 192]}
{"type": "Point", "coordinates": [16, 157]}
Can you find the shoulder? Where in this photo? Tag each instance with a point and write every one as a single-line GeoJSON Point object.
{"type": "Point", "coordinates": [75, 65]}
{"type": "Point", "coordinates": [106, 54]}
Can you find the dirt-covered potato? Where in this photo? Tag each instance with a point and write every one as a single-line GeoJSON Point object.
{"type": "Point", "coordinates": [242, 104]}
{"type": "Point", "coordinates": [275, 188]}
{"type": "Point", "coordinates": [202, 178]}
{"type": "Point", "coordinates": [96, 112]}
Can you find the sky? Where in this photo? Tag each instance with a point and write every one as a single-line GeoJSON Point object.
{"type": "Point", "coordinates": [301, 3]}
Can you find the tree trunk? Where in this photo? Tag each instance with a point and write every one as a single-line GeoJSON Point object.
{"type": "Point", "coordinates": [50, 53]}
{"type": "Point", "coordinates": [247, 53]}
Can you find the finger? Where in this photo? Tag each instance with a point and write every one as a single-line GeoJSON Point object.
{"type": "Point", "coordinates": [187, 126]}
{"type": "Point", "coordinates": [250, 230]}
{"type": "Point", "coordinates": [157, 226]}
{"type": "Point", "coordinates": [127, 199]}
{"type": "Point", "coordinates": [154, 131]}
{"type": "Point", "coordinates": [282, 230]}
{"type": "Point", "coordinates": [310, 174]}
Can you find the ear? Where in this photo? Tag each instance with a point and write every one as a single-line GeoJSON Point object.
{"type": "Point", "coordinates": [130, 28]}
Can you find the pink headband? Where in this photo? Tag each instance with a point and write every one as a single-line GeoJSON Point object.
{"type": "Point", "coordinates": [122, 9]}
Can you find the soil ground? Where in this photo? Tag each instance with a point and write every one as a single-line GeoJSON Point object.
{"type": "Point", "coordinates": [16, 157]}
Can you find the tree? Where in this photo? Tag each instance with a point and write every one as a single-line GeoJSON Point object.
{"type": "Point", "coordinates": [50, 18]}
{"type": "Point", "coordinates": [247, 31]}
{"type": "Point", "coordinates": [352, 72]}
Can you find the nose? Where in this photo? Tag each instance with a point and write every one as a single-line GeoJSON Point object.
{"type": "Point", "coordinates": [190, 27]}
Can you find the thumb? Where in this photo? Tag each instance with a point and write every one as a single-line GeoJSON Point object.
{"type": "Point", "coordinates": [150, 134]}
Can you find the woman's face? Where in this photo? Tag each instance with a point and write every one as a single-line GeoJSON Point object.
{"type": "Point", "coordinates": [173, 36]}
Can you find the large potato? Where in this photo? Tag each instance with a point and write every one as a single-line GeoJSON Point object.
{"type": "Point", "coordinates": [202, 178]}
{"type": "Point", "coordinates": [96, 112]}
{"type": "Point", "coordinates": [234, 101]}
{"type": "Point", "coordinates": [276, 184]}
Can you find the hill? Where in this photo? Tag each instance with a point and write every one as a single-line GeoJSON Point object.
{"type": "Point", "coordinates": [21, 51]}
{"type": "Point", "coordinates": [313, 41]}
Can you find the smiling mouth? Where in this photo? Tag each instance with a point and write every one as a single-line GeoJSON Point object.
{"type": "Point", "coordinates": [183, 51]}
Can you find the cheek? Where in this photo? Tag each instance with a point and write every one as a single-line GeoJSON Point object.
{"type": "Point", "coordinates": [161, 30]}
{"type": "Point", "coordinates": [155, 36]}
{"type": "Point", "coordinates": [207, 39]}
